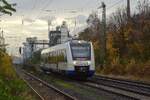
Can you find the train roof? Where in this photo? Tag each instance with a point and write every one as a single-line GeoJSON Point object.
{"type": "Point", "coordinates": [62, 46]}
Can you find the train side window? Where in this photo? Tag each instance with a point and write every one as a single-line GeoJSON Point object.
{"type": "Point", "coordinates": [62, 56]}
{"type": "Point", "coordinates": [58, 52]}
{"type": "Point", "coordinates": [55, 56]}
{"type": "Point", "coordinates": [59, 55]}
{"type": "Point", "coordinates": [46, 58]}
{"type": "Point", "coordinates": [43, 58]}
{"type": "Point", "coordinates": [65, 56]}
{"type": "Point", "coordinates": [50, 57]}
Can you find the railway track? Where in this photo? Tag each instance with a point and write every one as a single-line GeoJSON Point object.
{"type": "Point", "coordinates": [120, 89]}
{"type": "Point", "coordinates": [60, 94]}
{"type": "Point", "coordinates": [131, 89]}
{"type": "Point", "coordinates": [110, 90]}
{"type": "Point", "coordinates": [129, 82]}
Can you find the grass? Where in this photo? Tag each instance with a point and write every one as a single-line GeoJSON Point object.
{"type": "Point", "coordinates": [14, 89]}
{"type": "Point", "coordinates": [64, 84]}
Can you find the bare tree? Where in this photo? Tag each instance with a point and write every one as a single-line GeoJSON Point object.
{"type": "Point", "coordinates": [144, 7]}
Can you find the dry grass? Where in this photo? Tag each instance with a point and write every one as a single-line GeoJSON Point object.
{"type": "Point", "coordinates": [133, 70]}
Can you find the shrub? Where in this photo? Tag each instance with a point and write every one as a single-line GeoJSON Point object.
{"type": "Point", "coordinates": [6, 66]}
{"type": "Point", "coordinates": [11, 87]}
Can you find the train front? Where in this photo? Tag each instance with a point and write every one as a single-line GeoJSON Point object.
{"type": "Point", "coordinates": [82, 58]}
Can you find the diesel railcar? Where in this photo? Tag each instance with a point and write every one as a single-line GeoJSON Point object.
{"type": "Point", "coordinates": [74, 58]}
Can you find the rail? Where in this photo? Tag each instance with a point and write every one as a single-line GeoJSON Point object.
{"type": "Point", "coordinates": [67, 96]}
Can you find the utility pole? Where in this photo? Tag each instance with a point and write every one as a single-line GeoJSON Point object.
{"type": "Point", "coordinates": [103, 34]}
{"type": "Point", "coordinates": [49, 33]}
{"type": "Point", "coordinates": [49, 24]}
{"type": "Point", "coordinates": [128, 9]}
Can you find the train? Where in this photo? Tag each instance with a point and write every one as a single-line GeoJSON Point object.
{"type": "Point", "coordinates": [74, 58]}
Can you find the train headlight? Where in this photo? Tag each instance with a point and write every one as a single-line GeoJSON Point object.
{"type": "Point", "coordinates": [89, 63]}
{"type": "Point", "coordinates": [74, 62]}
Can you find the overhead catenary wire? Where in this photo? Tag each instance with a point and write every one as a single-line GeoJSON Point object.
{"type": "Point", "coordinates": [38, 5]}
{"type": "Point", "coordinates": [74, 10]}
{"type": "Point", "coordinates": [113, 5]}
{"type": "Point", "coordinates": [41, 5]}
{"type": "Point", "coordinates": [82, 9]}
{"type": "Point", "coordinates": [43, 8]}
{"type": "Point", "coordinates": [35, 4]}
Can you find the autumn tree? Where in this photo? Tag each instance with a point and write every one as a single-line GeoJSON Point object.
{"type": "Point", "coordinates": [5, 8]}
{"type": "Point", "coordinates": [126, 39]}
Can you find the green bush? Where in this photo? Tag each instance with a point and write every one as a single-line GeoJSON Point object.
{"type": "Point", "coordinates": [11, 87]}
{"type": "Point", "coordinates": [6, 68]}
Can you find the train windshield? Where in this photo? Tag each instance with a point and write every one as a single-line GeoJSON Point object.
{"type": "Point", "coordinates": [81, 51]}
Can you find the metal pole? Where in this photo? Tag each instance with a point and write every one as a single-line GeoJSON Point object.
{"type": "Point", "coordinates": [128, 9]}
{"type": "Point", "coordinates": [49, 23]}
{"type": "Point", "coordinates": [49, 33]}
{"type": "Point", "coordinates": [103, 34]}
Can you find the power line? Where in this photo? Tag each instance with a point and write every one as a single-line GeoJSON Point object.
{"type": "Point", "coordinates": [33, 8]}
{"type": "Point", "coordinates": [48, 3]}
{"type": "Point", "coordinates": [75, 10]}
{"type": "Point", "coordinates": [35, 4]}
{"type": "Point", "coordinates": [43, 8]}
{"type": "Point", "coordinates": [114, 4]}
{"type": "Point", "coordinates": [83, 9]}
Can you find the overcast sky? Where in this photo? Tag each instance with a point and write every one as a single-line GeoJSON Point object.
{"type": "Point", "coordinates": [35, 13]}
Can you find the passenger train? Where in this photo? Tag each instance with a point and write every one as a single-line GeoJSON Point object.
{"type": "Point", "coordinates": [74, 58]}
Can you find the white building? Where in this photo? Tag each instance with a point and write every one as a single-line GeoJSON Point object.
{"type": "Point", "coordinates": [64, 32]}
{"type": "Point", "coordinates": [60, 35]}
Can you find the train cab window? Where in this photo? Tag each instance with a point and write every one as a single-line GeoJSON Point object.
{"type": "Point", "coordinates": [81, 51]}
